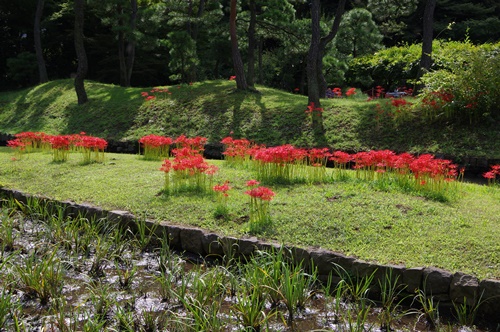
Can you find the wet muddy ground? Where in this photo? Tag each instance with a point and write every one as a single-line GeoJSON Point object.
{"type": "Point", "coordinates": [60, 274]}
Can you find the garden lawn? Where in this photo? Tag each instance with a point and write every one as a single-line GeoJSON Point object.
{"type": "Point", "coordinates": [354, 217]}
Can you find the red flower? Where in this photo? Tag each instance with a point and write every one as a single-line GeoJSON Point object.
{"type": "Point", "coordinates": [252, 183]}
{"type": "Point", "coordinates": [262, 193]}
{"type": "Point", "coordinates": [222, 188]}
{"type": "Point", "coordinates": [311, 108]}
{"type": "Point", "coordinates": [350, 92]}
{"type": "Point", "coordinates": [232, 78]}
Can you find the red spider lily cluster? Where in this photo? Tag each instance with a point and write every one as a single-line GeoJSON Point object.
{"type": "Point", "coordinates": [262, 193]}
{"type": "Point", "coordinates": [312, 109]}
{"type": "Point", "coordinates": [289, 164]}
{"type": "Point", "coordinates": [232, 78]}
{"type": "Point", "coordinates": [188, 170]}
{"type": "Point", "coordinates": [284, 163]}
{"type": "Point", "coordinates": [350, 92]}
{"type": "Point", "coordinates": [61, 145]}
{"type": "Point", "coordinates": [333, 93]}
{"type": "Point", "coordinates": [27, 141]}
{"type": "Point", "coordinates": [397, 110]}
{"type": "Point", "coordinates": [237, 151]}
{"type": "Point", "coordinates": [492, 174]}
{"type": "Point", "coordinates": [259, 206]}
{"type": "Point", "coordinates": [425, 170]}
{"type": "Point", "coordinates": [155, 93]}
{"type": "Point", "coordinates": [222, 188]}
{"type": "Point", "coordinates": [155, 146]}
{"type": "Point", "coordinates": [436, 101]}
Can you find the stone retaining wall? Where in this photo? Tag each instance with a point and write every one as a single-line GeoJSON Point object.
{"type": "Point", "coordinates": [443, 285]}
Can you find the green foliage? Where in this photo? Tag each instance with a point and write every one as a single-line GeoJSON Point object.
{"type": "Point", "coordinates": [22, 68]}
{"type": "Point", "coordinates": [183, 58]}
{"type": "Point", "coordinates": [473, 85]}
{"type": "Point", "coordinates": [358, 34]}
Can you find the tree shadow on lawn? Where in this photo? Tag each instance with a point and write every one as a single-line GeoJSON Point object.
{"type": "Point", "coordinates": [116, 111]}
{"type": "Point", "coordinates": [29, 108]}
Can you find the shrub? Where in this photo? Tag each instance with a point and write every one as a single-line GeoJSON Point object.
{"type": "Point", "coordinates": [472, 84]}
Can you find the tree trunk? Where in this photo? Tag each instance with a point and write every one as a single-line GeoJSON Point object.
{"type": "Point", "coordinates": [81, 71]}
{"type": "Point", "coordinates": [313, 87]}
{"type": "Point", "coordinates": [42, 70]}
{"type": "Point", "coordinates": [251, 44]}
{"type": "Point", "coordinates": [131, 44]}
{"type": "Point", "coordinates": [324, 41]}
{"type": "Point", "coordinates": [126, 46]}
{"type": "Point", "coordinates": [428, 21]}
{"type": "Point", "coordinates": [241, 83]}
{"type": "Point", "coordinates": [315, 79]}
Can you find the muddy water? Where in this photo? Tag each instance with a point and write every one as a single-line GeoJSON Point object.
{"type": "Point", "coordinates": [122, 290]}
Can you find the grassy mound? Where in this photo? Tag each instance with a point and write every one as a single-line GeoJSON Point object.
{"type": "Point", "coordinates": [215, 109]}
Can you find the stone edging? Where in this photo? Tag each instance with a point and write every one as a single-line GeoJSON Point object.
{"type": "Point", "coordinates": [443, 285]}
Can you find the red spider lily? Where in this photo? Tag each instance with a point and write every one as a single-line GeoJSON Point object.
{"type": "Point", "coordinates": [350, 92]}
{"type": "Point", "coordinates": [341, 158]}
{"type": "Point", "coordinates": [252, 183]}
{"type": "Point", "coordinates": [337, 92]}
{"type": "Point", "coordinates": [236, 150]}
{"type": "Point", "coordinates": [283, 154]}
{"type": "Point", "coordinates": [150, 97]}
{"type": "Point", "coordinates": [311, 109]}
{"type": "Point", "coordinates": [222, 188]}
{"type": "Point", "coordinates": [93, 143]}
{"type": "Point", "coordinates": [318, 157]}
{"type": "Point", "coordinates": [232, 78]}
{"type": "Point", "coordinates": [155, 146]}
{"type": "Point", "coordinates": [492, 174]}
{"type": "Point", "coordinates": [33, 140]}
{"type": "Point", "coordinates": [262, 193]}
{"type": "Point", "coordinates": [196, 143]}
{"type": "Point", "coordinates": [379, 91]}
{"type": "Point", "coordinates": [92, 148]}
{"type": "Point", "coordinates": [166, 166]}
{"type": "Point", "coordinates": [16, 144]}
{"type": "Point", "coordinates": [189, 168]}
{"type": "Point", "coordinates": [397, 102]}
{"type": "Point", "coordinates": [144, 94]}
{"type": "Point", "coordinates": [155, 141]}
{"type": "Point", "coordinates": [61, 142]}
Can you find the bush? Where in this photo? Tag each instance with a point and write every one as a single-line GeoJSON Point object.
{"type": "Point", "coordinates": [467, 90]}
{"type": "Point", "coordinates": [398, 65]}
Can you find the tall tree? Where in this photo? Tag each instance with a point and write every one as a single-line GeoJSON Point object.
{"type": "Point", "coordinates": [126, 46]}
{"type": "Point", "coordinates": [42, 70]}
{"type": "Point", "coordinates": [428, 20]}
{"type": "Point", "coordinates": [251, 44]}
{"type": "Point", "coordinates": [358, 34]}
{"type": "Point", "coordinates": [315, 79]}
{"type": "Point", "coordinates": [81, 55]}
{"type": "Point", "coordinates": [239, 70]}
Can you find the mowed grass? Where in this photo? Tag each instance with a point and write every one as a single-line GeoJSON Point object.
{"type": "Point", "coordinates": [352, 216]}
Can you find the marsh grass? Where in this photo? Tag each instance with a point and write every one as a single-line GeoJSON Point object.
{"type": "Point", "coordinates": [267, 291]}
{"type": "Point", "coordinates": [350, 215]}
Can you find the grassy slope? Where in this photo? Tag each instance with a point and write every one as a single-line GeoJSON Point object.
{"type": "Point", "coordinates": [214, 109]}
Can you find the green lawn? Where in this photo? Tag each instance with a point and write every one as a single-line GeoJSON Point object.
{"type": "Point", "coordinates": [352, 216]}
